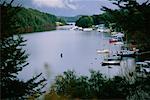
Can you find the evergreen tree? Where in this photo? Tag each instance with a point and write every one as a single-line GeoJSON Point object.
{"type": "Point", "coordinates": [13, 59]}
{"type": "Point", "coordinates": [132, 18]}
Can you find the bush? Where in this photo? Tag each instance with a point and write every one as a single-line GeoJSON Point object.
{"type": "Point", "coordinates": [99, 87]}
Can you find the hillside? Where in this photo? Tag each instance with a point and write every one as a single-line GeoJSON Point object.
{"type": "Point", "coordinates": [31, 20]}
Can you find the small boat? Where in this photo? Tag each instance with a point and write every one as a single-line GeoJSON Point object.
{"type": "Point", "coordinates": [74, 28]}
{"type": "Point", "coordinates": [118, 43]}
{"type": "Point", "coordinates": [104, 63]}
{"type": "Point", "coordinates": [87, 29]}
{"type": "Point", "coordinates": [107, 30]}
{"type": "Point", "coordinates": [115, 57]}
{"type": "Point", "coordinates": [80, 28]}
{"type": "Point", "coordinates": [112, 40]}
{"type": "Point", "coordinates": [115, 39]}
{"type": "Point", "coordinates": [119, 34]}
{"type": "Point", "coordinates": [113, 33]}
{"type": "Point", "coordinates": [141, 64]}
{"type": "Point", "coordinates": [127, 53]}
{"type": "Point", "coordinates": [100, 30]}
{"type": "Point", "coordinates": [147, 61]}
{"type": "Point", "coordinates": [115, 60]}
{"type": "Point", "coordinates": [102, 51]}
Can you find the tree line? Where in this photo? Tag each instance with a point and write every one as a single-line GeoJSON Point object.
{"type": "Point", "coordinates": [69, 85]}
{"type": "Point", "coordinates": [89, 21]}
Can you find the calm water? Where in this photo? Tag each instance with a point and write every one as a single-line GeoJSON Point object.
{"type": "Point", "coordinates": [79, 54]}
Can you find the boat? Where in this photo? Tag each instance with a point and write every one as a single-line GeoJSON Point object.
{"type": "Point", "coordinates": [115, 39]}
{"type": "Point", "coordinates": [127, 53]}
{"type": "Point", "coordinates": [107, 30]}
{"type": "Point", "coordinates": [115, 60]}
{"type": "Point", "coordinates": [119, 34]}
{"type": "Point", "coordinates": [102, 51]}
{"type": "Point", "coordinates": [147, 61]}
{"type": "Point", "coordinates": [112, 40]}
{"type": "Point", "coordinates": [80, 28]}
{"type": "Point", "coordinates": [87, 29]}
{"type": "Point", "coordinates": [113, 33]}
{"type": "Point", "coordinates": [118, 43]}
{"type": "Point", "coordinates": [100, 30]}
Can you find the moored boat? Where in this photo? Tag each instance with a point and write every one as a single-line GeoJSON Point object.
{"type": "Point", "coordinates": [115, 60]}
{"type": "Point", "coordinates": [102, 51]}
{"type": "Point", "coordinates": [87, 29]}
{"type": "Point", "coordinates": [127, 53]}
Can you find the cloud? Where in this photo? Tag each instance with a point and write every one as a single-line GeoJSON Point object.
{"type": "Point", "coordinates": [69, 3]}
{"type": "Point", "coordinates": [54, 3]}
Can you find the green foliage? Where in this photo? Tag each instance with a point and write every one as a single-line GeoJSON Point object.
{"type": "Point", "coordinates": [97, 19]}
{"type": "Point", "coordinates": [62, 21]}
{"type": "Point", "coordinates": [96, 86]}
{"type": "Point", "coordinates": [13, 59]}
{"type": "Point", "coordinates": [31, 20]}
{"type": "Point", "coordinates": [71, 19]}
{"type": "Point", "coordinates": [85, 22]}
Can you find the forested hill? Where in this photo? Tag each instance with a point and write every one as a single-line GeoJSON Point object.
{"type": "Point", "coordinates": [31, 20]}
{"type": "Point", "coordinates": [70, 19]}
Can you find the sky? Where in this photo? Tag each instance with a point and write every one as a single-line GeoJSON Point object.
{"type": "Point", "coordinates": [67, 7]}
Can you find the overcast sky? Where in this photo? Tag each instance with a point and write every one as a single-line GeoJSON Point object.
{"type": "Point", "coordinates": [67, 7]}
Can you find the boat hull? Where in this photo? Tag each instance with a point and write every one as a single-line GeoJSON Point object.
{"type": "Point", "coordinates": [104, 63]}
{"type": "Point", "coordinates": [127, 55]}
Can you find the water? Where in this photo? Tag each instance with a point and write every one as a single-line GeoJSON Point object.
{"type": "Point", "coordinates": [78, 50]}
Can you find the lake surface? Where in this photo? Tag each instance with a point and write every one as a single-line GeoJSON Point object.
{"type": "Point", "coordinates": [78, 50]}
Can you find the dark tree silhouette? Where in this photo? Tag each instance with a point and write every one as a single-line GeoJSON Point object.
{"type": "Point", "coordinates": [85, 22]}
{"type": "Point", "coordinates": [132, 18]}
{"type": "Point", "coordinates": [13, 59]}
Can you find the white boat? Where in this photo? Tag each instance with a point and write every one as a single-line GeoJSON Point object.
{"type": "Point", "coordinates": [80, 28]}
{"type": "Point", "coordinates": [113, 33]}
{"type": "Point", "coordinates": [115, 60]}
{"type": "Point", "coordinates": [74, 28]}
{"type": "Point", "coordinates": [102, 51]}
{"type": "Point", "coordinates": [127, 53]}
{"type": "Point", "coordinates": [107, 30]}
{"type": "Point", "coordinates": [100, 30]}
{"type": "Point", "coordinates": [87, 29]}
{"type": "Point", "coordinates": [119, 34]}
{"type": "Point", "coordinates": [115, 57]}
{"type": "Point", "coordinates": [147, 61]}
{"type": "Point", "coordinates": [118, 43]}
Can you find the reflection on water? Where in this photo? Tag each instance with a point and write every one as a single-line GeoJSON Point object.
{"type": "Point", "coordinates": [79, 54]}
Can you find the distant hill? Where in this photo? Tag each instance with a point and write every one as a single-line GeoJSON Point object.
{"type": "Point", "coordinates": [70, 19]}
